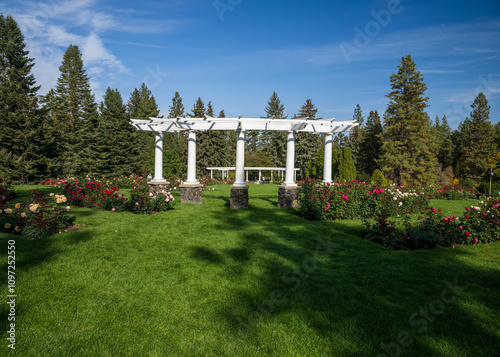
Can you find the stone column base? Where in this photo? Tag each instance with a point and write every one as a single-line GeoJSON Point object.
{"type": "Point", "coordinates": [239, 197]}
{"type": "Point", "coordinates": [157, 187]}
{"type": "Point", "coordinates": [191, 193]}
{"type": "Point", "coordinates": [288, 196]}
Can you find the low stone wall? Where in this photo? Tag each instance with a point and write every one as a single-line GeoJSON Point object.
{"type": "Point", "coordinates": [288, 196]}
{"type": "Point", "coordinates": [239, 197]}
{"type": "Point", "coordinates": [191, 193]}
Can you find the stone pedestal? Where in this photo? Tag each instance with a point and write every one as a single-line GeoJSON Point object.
{"type": "Point", "coordinates": [191, 193]}
{"type": "Point", "coordinates": [288, 196]}
{"type": "Point", "coordinates": [156, 187]}
{"type": "Point", "coordinates": [239, 197]}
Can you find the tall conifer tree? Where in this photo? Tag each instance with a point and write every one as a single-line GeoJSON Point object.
{"type": "Point", "coordinates": [370, 146]}
{"type": "Point", "coordinates": [142, 105]}
{"type": "Point", "coordinates": [274, 142]}
{"type": "Point", "coordinates": [118, 149]}
{"type": "Point", "coordinates": [406, 152]}
{"type": "Point", "coordinates": [307, 144]}
{"type": "Point", "coordinates": [356, 136]}
{"type": "Point", "coordinates": [73, 112]}
{"type": "Point", "coordinates": [478, 141]}
{"type": "Point", "coordinates": [21, 138]}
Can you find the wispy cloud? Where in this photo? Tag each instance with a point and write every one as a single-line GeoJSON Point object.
{"type": "Point", "coordinates": [49, 28]}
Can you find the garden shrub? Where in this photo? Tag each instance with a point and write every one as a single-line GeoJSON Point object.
{"type": "Point", "coordinates": [451, 192]}
{"type": "Point", "coordinates": [39, 217]}
{"type": "Point", "coordinates": [353, 199]}
{"type": "Point", "coordinates": [95, 194]}
{"type": "Point", "coordinates": [378, 178]}
{"type": "Point", "coordinates": [479, 224]}
{"type": "Point", "coordinates": [6, 192]}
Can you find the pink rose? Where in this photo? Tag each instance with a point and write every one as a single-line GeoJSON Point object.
{"type": "Point", "coordinates": [467, 234]}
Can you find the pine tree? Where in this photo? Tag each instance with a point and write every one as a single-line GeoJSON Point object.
{"type": "Point", "coordinates": [406, 151]}
{"type": "Point", "coordinates": [177, 108]}
{"type": "Point", "coordinates": [306, 144]}
{"type": "Point", "coordinates": [175, 156]}
{"type": "Point", "coordinates": [274, 142]}
{"type": "Point", "coordinates": [444, 147]}
{"type": "Point", "coordinates": [203, 145]}
{"type": "Point", "coordinates": [73, 112]}
{"type": "Point", "coordinates": [477, 141]}
{"type": "Point", "coordinates": [21, 137]}
{"type": "Point", "coordinates": [118, 150]}
{"type": "Point", "coordinates": [356, 136]}
{"type": "Point", "coordinates": [371, 145]}
{"type": "Point", "coordinates": [142, 105]}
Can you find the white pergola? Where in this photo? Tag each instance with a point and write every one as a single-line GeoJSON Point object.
{"type": "Point", "coordinates": [225, 171]}
{"type": "Point", "coordinates": [241, 125]}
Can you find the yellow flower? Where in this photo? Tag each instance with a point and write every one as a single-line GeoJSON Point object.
{"type": "Point", "coordinates": [17, 229]}
{"type": "Point", "coordinates": [18, 205]}
{"type": "Point", "coordinates": [68, 208]}
{"type": "Point", "coordinates": [59, 200]}
{"type": "Point", "coordinates": [8, 210]}
{"type": "Point", "coordinates": [23, 215]}
{"type": "Point", "coordinates": [33, 207]}
{"type": "Point", "coordinates": [7, 225]}
{"type": "Point", "coordinates": [51, 194]}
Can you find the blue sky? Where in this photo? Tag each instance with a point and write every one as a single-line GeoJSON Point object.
{"type": "Point", "coordinates": [235, 53]}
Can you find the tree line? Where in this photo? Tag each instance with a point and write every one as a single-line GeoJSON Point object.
{"type": "Point", "coordinates": [67, 133]}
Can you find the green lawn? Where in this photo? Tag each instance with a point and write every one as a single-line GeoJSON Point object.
{"type": "Point", "coordinates": [204, 280]}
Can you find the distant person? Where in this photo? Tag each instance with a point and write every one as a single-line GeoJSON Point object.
{"type": "Point", "coordinates": [150, 177]}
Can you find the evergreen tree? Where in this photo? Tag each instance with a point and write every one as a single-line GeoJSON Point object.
{"type": "Point", "coordinates": [347, 170]}
{"type": "Point", "coordinates": [444, 147]}
{"type": "Point", "coordinates": [21, 137]}
{"type": "Point", "coordinates": [314, 168]}
{"type": "Point", "coordinates": [406, 151]}
{"type": "Point", "coordinates": [142, 105]}
{"type": "Point", "coordinates": [177, 108]}
{"type": "Point", "coordinates": [356, 136]}
{"type": "Point", "coordinates": [175, 157]}
{"type": "Point", "coordinates": [274, 142]}
{"type": "Point", "coordinates": [371, 145]}
{"type": "Point", "coordinates": [203, 144]}
{"type": "Point", "coordinates": [73, 114]}
{"type": "Point", "coordinates": [306, 144]}
{"type": "Point", "coordinates": [118, 151]}
{"type": "Point", "coordinates": [478, 141]}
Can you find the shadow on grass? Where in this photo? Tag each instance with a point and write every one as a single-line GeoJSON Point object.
{"type": "Point", "coordinates": [417, 303]}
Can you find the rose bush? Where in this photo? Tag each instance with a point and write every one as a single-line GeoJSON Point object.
{"type": "Point", "coordinates": [39, 217]}
{"type": "Point", "coordinates": [479, 224]}
{"type": "Point", "coordinates": [353, 199]}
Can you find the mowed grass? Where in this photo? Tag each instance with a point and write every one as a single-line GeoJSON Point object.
{"type": "Point", "coordinates": [204, 280]}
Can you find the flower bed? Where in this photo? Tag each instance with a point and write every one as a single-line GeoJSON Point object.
{"type": "Point", "coordinates": [479, 224]}
{"type": "Point", "coordinates": [39, 217]}
{"type": "Point", "coordinates": [353, 199]}
{"type": "Point", "coordinates": [452, 192]}
{"type": "Point", "coordinates": [99, 195]}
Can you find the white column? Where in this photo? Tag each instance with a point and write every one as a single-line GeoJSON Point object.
{"type": "Point", "coordinates": [247, 174]}
{"type": "Point", "coordinates": [239, 180]}
{"type": "Point", "coordinates": [158, 158]}
{"type": "Point", "coordinates": [290, 159]}
{"type": "Point", "coordinates": [191, 166]}
{"type": "Point", "coordinates": [211, 174]}
{"type": "Point", "coordinates": [260, 175]}
{"type": "Point", "coordinates": [327, 165]}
